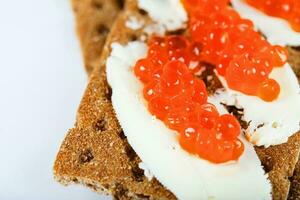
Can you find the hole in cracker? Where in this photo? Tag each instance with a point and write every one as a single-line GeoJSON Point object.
{"type": "Point", "coordinates": [296, 48]}
{"type": "Point", "coordinates": [100, 125]}
{"type": "Point", "coordinates": [138, 174]}
{"type": "Point", "coordinates": [142, 196]}
{"type": "Point", "coordinates": [97, 5]}
{"type": "Point", "coordinates": [102, 29]}
{"type": "Point", "coordinates": [120, 191]}
{"type": "Point", "coordinates": [105, 186]}
{"type": "Point", "coordinates": [143, 12]}
{"type": "Point", "coordinates": [133, 38]}
{"type": "Point", "coordinates": [75, 180]}
{"type": "Point", "coordinates": [108, 93]}
{"type": "Point", "coordinates": [267, 167]}
{"type": "Point", "coordinates": [120, 3]}
{"type": "Point", "coordinates": [86, 156]}
{"type": "Point", "coordinates": [93, 187]}
{"type": "Point", "coordinates": [176, 32]}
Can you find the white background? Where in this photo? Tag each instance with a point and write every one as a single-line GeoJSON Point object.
{"type": "Point", "coordinates": [41, 83]}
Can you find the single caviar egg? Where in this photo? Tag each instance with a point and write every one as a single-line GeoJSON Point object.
{"type": "Point", "coordinates": [280, 56]}
{"type": "Point", "coordinates": [188, 138]}
{"type": "Point", "coordinates": [228, 126]}
{"type": "Point", "coordinates": [269, 90]}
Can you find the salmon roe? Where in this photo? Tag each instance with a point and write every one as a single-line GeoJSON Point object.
{"type": "Point", "coordinates": [286, 9]}
{"type": "Point", "coordinates": [179, 98]}
{"type": "Point", "coordinates": [240, 53]}
{"type": "Point", "coordinates": [175, 94]}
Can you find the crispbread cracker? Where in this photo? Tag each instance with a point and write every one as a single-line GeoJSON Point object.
{"type": "Point", "coordinates": [294, 193]}
{"type": "Point", "coordinates": [97, 154]}
{"type": "Point", "coordinates": [295, 184]}
{"type": "Point", "coordinates": [94, 19]}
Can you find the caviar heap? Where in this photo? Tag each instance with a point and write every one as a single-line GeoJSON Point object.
{"type": "Point", "coordinates": [175, 95]}
{"type": "Point", "coordinates": [286, 9]}
{"type": "Point", "coordinates": [240, 53]}
{"type": "Point", "coordinates": [178, 98]}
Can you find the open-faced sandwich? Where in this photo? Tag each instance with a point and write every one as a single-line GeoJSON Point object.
{"type": "Point", "coordinates": [192, 99]}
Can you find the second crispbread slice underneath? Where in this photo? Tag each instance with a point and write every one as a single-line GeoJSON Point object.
{"type": "Point", "coordinates": [94, 19]}
{"type": "Point", "coordinates": [97, 154]}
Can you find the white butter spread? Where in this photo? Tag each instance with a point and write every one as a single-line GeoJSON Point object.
{"type": "Point", "coordinates": [156, 29]}
{"type": "Point", "coordinates": [147, 171]}
{"type": "Point", "coordinates": [167, 13]}
{"type": "Point", "coordinates": [270, 123]}
{"type": "Point", "coordinates": [277, 30]}
{"type": "Point", "coordinates": [188, 177]}
{"type": "Point", "coordinates": [134, 23]}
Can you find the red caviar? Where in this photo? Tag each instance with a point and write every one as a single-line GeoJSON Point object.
{"type": "Point", "coordinates": [286, 9]}
{"type": "Point", "coordinates": [240, 53]}
{"type": "Point", "coordinates": [175, 95]}
{"type": "Point", "coordinates": [178, 98]}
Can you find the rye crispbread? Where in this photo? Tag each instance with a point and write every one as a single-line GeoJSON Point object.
{"type": "Point", "coordinates": [94, 19]}
{"type": "Point", "coordinates": [95, 153]}
{"type": "Point", "coordinates": [294, 193]}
